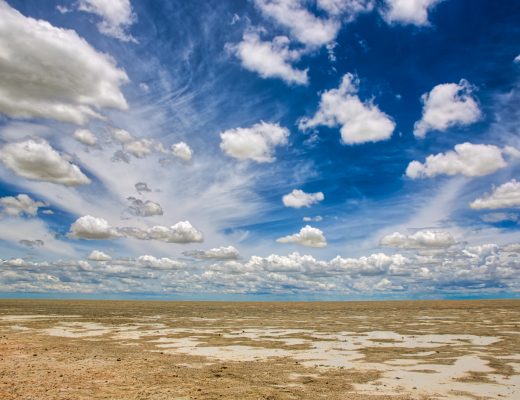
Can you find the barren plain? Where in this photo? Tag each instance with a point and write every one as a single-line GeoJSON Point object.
{"type": "Point", "coordinates": [218, 350]}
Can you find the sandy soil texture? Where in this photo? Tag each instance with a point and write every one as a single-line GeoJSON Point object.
{"type": "Point", "coordinates": [183, 350]}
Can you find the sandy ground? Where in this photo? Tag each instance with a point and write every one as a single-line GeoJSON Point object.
{"type": "Point", "coordinates": [181, 350]}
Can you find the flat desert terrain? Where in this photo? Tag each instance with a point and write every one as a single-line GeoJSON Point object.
{"type": "Point", "coordinates": [213, 350]}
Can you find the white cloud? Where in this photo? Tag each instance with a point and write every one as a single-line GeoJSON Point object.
{"type": "Point", "coordinates": [122, 136]}
{"type": "Point", "coordinates": [182, 150]}
{"type": "Point", "coordinates": [97, 255]}
{"type": "Point", "coordinates": [117, 16]}
{"type": "Point", "coordinates": [143, 147]}
{"type": "Point", "coordinates": [88, 227]}
{"type": "Point", "coordinates": [373, 265]}
{"type": "Point", "coordinates": [447, 105]}
{"type": "Point", "coordinates": [386, 284]}
{"type": "Point", "coordinates": [517, 59]}
{"type": "Point", "coordinates": [506, 195]}
{"type": "Point", "coordinates": [360, 122]}
{"type": "Point", "coordinates": [302, 24]}
{"type": "Point", "coordinates": [317, 218]}
{"type": "Point", "coordinates": [256, 143]}
{"type": "Point", "coordinates": [423, 239]}
{"type": "Point", "coordinates": [160, 263]}
{"type": "Point", "coordinates": [218, 253]}
{"type": "Point", "coordinates": [37, 160]}
{"type": "Point", "coordinates": [511, 247]}
{"type": "Point", "coordinates": [466, 159]}
{"type": "Point", "coordinates": [49, 72]}
{"type": "Point", "coordinates": [139, 148]}
{"type": "Point", "coordinates": [348, 8]}
{"type": "Point", "coordinates": [181, 232]}
{"type": "Point", "coordinates": [85, 136]}
{"type": "Point", "coordinates": [308, 236]}
{"type": "Point", "coordinates": [413, 12]}
{"type": "Point", "coordinates": [292, 263]}
{"type": "Point", "coordinates": [270, 59]}
{"type": "Point", "coordinates": [298, 198]}
{"type": "Point", "coordinates": [20, 205]}
{"type": "Point", "coordinates": [146, 208]}
{"type": "Point", "coordinates": [63, 9]}
{"type": "Point", "coordinates": [92, 228]}
{"type": "Point", "coordinates": [456, 270]}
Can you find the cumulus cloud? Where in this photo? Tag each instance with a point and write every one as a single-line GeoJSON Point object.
{"type": "Point", "coordinates": [182, 150]}
{"type": "Point", "coordinates": [455, 270]}
{"type": "Point", "coordinates": [301, 23]}
{"type": "Point", "coordinates": [424, 239]}
{"type": "Point", "coordinates": [511, 247]}
{"type": "Point", "coordinates": [92, 228]}
{"type": "Point", "coordinates": [348, 8]}
{"type": "Point", "coordinates": [447, 105]}
{"type": "Point", "coordinates": [218, 253]}
{"type": "Point", "coordinates": [22, 204]}
{"type": "Point", "coordinates": [298, 198]}
{"type": "Point", "coordinates": [88, 227]}
{"type": "Point", "coordinates": [97, 255]}
{"type": "Point", "coordinates": [160, 263]}
{"type": "Point", "coordinates": [139, 148]}
{"type": "Point", "coordinates": [122, 136]}
{"type": "Point", "coordinates": [360, 122]}
{"type": "Point", "coordinates": [466, 159]}
{"type": "Point", "coordinates": [85, 136]}
{"type": "Point", "coordinates": [116, 17]}
{"type": "Point", "coordinates": [308, 236]}
{"type": "Point", "coordinates": [49, 72]}
{"type": "Point", "coordinates": [256, 143]}
{"type": "Point", "coordinates": [270, 59]}
{"type": "Point", "coordinates": [506, 195]}
{"type": "Point", "coordinates": [37, 160]}
{"type": "Point", "coordinates": [414, 12]}
{"type": "Point", "coordinates": [181, 232]}
{"type": "Point", "coordinates": [146, 208]}
{"type": "Point", "coordinates": [373, 265]}
{"type": "Point", "coordinates": [292, 263]}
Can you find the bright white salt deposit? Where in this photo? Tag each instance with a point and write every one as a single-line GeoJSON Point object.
{"type": "Point", "coordinates": [443, 382]}
{"type": "Point", "coordinates": [325, 350]}
{"type": "Point", "coordinates": [227, 353]}
{"type": "Point", "coordinates": [78, 330]}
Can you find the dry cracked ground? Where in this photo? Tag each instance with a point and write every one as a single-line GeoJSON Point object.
{"type": "Point", "coordinates": [184, 350]}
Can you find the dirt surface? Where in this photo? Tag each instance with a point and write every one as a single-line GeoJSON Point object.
{"type": "Point", "coordinates": [184, 350]}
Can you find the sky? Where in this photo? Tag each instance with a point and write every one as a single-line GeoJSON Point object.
{"type": "Point", "coordinates": [260, 149]}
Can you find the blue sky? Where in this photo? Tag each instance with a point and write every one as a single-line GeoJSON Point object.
{"type": "Point", "coordinates": [289, 149]}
